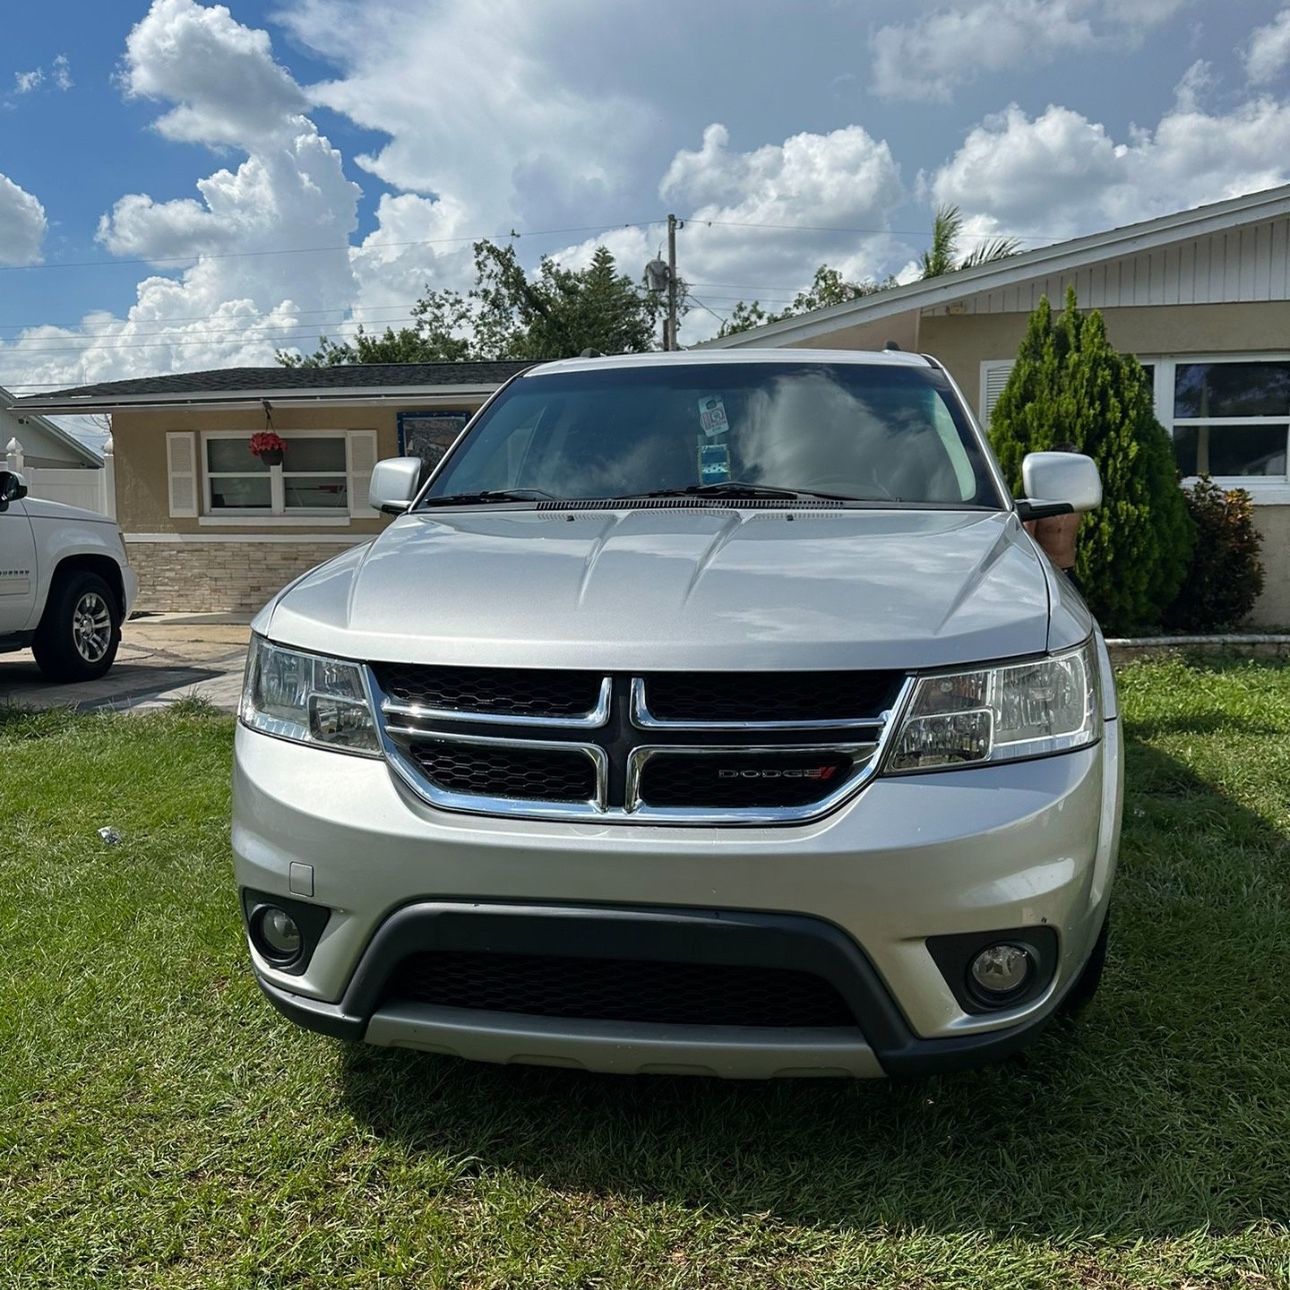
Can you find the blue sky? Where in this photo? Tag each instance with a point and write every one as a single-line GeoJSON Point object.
{"type": "Point", "coordinates": [169, 170]}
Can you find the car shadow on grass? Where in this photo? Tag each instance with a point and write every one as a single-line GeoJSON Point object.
{"type": "Point", "coordinates": [1162, 1110]}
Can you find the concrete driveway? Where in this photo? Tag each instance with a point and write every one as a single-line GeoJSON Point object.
{"type": "Point", "coordinates": [163, 657]}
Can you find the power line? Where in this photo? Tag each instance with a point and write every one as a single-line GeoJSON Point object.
{"type": "Point", "coordinates": [104, 340]}
{"type": "Point", "coordinates": [512, 235]}
{"type": "Point", "coordinates": [311, 250]}
{"type": "Point", "coordinates": [335, 309]}
{"type": "Point", "coordinates": [713, 312]}
{"type": "Point", "coordinates": [121, 338]}
{"type": "Point", "coordinates": [822, 228]}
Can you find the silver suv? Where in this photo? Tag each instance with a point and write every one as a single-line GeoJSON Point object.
{"type": "Point", "coordinates": [707, 713]}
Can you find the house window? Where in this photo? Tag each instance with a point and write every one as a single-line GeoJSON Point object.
{"type": "Point", "coordinates": [312, 478]}
{"type": "Point", "coordinates": [1231, 419]}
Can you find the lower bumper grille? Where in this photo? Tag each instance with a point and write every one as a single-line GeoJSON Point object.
{"type": "Point", "coordinates": [596, 989]}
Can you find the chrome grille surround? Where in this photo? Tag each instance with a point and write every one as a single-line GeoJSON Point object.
{"type": "Point", "coordinates": [619, 736]}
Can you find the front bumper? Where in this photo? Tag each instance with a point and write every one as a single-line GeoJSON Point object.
{"type": "Point", "coordinates": [130, 590]}
{"type": "Point", "coordinates": [1007, 846]}
{"type": "Point", "coordinates": [880, 1044]}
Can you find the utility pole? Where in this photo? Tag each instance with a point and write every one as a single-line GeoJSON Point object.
{"type": "Point", "coordinates": [669, 336]}
{"type": "Point", "coordinates": [660, 276]}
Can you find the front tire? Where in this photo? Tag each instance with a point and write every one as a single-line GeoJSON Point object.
{"type": "Point", "coordinates": [80, 631]}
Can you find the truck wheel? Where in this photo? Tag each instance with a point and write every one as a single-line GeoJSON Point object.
{"type": "Point", "coordinates": [80, 630]}
{"type": "Point", "coordinates": [1081, 993]}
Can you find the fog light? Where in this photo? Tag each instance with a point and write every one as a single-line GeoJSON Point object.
{"type": "Point", "coordinates": [1000, 971]}
{"type": "Point", "coordinates": [280, 939]}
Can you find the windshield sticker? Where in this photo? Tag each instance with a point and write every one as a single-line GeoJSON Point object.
{"type": "Point", "coordinates": [714, 463]}
{"type": "Point", "coordinates": [712, 415]}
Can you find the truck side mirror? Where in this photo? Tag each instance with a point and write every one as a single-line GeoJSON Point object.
{"type": "Point", "coordinates": [395, 482]}
{"type": "Point", "coordinates": [13, 488]}
{"type": "Point", "coordinates": [1058, 483]}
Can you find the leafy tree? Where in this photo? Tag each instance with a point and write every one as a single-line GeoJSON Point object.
{"type": "Point", "coordinates": [1069, 386]}
{"type": "Point", "coordinates": [943, 255]}
{"type": "Point", "coordinates": [407, 345]}
{"type": "Point", "coordinates": [555, 312]}
{"type": "Point", "coordinates": [828, 287]}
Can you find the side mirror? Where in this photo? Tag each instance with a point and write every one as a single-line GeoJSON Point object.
{"type": "Point", "coordinates": [395, 482]}
{"type": "Point", "coordinates": [13, 488]}
{"type": "Point", "coordinates": [1058, 483]}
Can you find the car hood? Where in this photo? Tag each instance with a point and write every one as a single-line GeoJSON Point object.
{"type": "Point", "coordinates": [38, 508]}
{"type": "Point", "coordinates": [674, 588]}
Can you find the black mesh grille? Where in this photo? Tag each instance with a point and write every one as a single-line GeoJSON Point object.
{"type": "Point", "coordinates": [517, 692]}
{"type": "Point", "coordinates": [770, 696]}
{"type": "Point", "coordinates": [769, 780]}
{"type": "Point", "coordinates": [620, 990]}
{"type": "Point", "coordinates": [530, 774]}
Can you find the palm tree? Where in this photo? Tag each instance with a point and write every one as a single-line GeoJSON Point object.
{"type": "Point", "coordinates": [942, 256]}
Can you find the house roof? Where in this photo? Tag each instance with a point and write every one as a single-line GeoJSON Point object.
{"type": "Point", "coordinates": [1060, 257]}
{"type": "Point", "coordinates": [354, 382]}
{"type": "Point", "coordinates": [55, 432]}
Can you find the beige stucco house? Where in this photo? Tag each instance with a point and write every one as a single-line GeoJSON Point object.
{"type": "Point", "coordinates": [1202, 298]}
{"type": "Point", "coordinates": [209, 526]}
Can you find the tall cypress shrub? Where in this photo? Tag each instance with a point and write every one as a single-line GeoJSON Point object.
{"type": "Point", "coordinates": [1070, 387]}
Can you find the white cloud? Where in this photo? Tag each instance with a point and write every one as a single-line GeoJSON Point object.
{"type": "Point", "coordinates": [1268, 50]}
{"type": "Point", "coordinates": [764, 218]}
{"type": "Point", "coordinates": [22, 224]}
{"type": "Point", "coordinates": [963, 41]}
{"type": "Point", "coordinates": [1060, 174]}
{"type": "Point", "coordinates": [474, 105]}
{"type": "Point", "coordinates": [1194, 86]}
{"type": "Point", "coordinates": [220, 75]}
{"type": "Point", "coordinates": [417, 243]}
{"type": "Point", "coordinates": [59, 75]}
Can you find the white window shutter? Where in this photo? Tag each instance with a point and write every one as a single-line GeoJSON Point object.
{"type": "Point", "coordinates": [181, 471]}
{"type": "Point", "coordinates": [994, 376]}
{"type": "Point", "coordinates": [361, 455]}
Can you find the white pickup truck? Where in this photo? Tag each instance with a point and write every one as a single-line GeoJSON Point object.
{"type": "Point", "coordinates": [65, 583]}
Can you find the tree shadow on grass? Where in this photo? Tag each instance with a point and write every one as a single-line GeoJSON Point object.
{"type": "Point", "coordinates": [1162, 1110]}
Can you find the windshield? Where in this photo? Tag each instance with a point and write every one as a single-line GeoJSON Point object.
{"type": "Point", "coordinates": [876, 433]}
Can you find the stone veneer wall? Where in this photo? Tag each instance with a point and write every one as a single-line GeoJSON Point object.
{"type": "Point", "coordinates": [219, 577]}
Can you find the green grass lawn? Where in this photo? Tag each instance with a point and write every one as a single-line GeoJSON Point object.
{"type": "Point", "coordinates": [160, 1125]}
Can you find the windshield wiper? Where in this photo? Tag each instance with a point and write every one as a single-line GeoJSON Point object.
{"type": "Point", "coordinates": [489, 495]}
{"type": "Point", "coordinates": [742, 488]}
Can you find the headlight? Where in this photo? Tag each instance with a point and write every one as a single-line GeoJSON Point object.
{"type": "Point", "coordinates": [1001, 713]}
{"type": "Point", "coordinates": [308, 698]}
